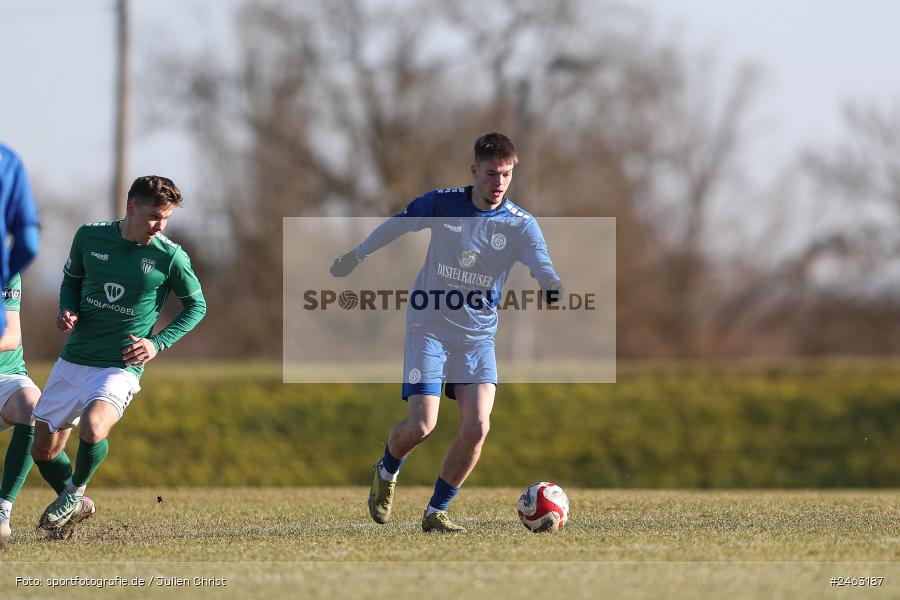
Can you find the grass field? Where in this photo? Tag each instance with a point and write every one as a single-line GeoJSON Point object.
{"type": "Point", "coordinates": [319, 542]}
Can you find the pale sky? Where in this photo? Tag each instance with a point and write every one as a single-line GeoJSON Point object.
{"type": "Point", "coordinates": [56, 100]}
{"type": "Point", "coordinates": [816, 55]}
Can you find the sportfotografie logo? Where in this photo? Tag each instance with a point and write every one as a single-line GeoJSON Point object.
{"type": "Point", "coordinates": [443, 300]}
{"type": "Point", "coordinates": [451, 278]}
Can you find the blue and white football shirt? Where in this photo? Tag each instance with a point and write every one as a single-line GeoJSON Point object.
{"type": "Point", "coordinates": [469, 258]}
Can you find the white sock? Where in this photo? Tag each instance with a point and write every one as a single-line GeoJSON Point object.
{"type": "Point", "coordinates": [384, 474]}
{"type": "Point", "coordinates": [78, 491]}
{"type": "Point", "coordinates": [430, 510]}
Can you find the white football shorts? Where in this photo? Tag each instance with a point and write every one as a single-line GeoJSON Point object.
{"type": "Point", "coordinates": [9, 385]}
{"type": "Point", "coordinates": [71, 388]}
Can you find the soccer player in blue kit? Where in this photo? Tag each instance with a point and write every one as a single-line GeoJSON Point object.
{"type": "Point", "coordinates": [18, 218]}
{"type": "Point", "coordinates": [477, 235]}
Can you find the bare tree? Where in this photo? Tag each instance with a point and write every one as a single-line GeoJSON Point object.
{"type": "Point", "coordinates": [352, 107]}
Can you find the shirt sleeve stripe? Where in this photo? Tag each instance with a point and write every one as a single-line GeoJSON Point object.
{"type": "Point", "coordinates": [72, 274]}
{"type": "Point", "coordinates": [191, 294]}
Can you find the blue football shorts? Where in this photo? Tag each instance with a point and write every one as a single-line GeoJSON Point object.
{"type": "Point", "coordinates": [430, 362]}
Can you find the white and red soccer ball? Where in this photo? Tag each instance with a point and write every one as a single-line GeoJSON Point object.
{"type": "Point", "coordinates": [543, 506]}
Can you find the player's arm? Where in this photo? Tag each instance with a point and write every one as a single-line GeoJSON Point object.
{"type": "Point", "coordinates": [70, 290]}
{"type": "Point", "coordinates": [186, 287]}
{"type": "Point", "coordinates": [24, 225]}
{"type": "Point", "coordinates": [413, 218]}
{"type": "Point", "coordinates": [12, 302]}
{"type": "Point", "coordinates": [12, 335]}
{"type": "Point", "coordinates": [533, 253]}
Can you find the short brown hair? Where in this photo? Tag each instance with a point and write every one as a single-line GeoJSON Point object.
{"type": "Point", "coordinates": [154, 190]}
{"type": "Point", "coordinates": [495, 146]}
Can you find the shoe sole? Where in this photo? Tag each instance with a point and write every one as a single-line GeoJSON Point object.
{"type": "Point", "coordinates": [65, 531]}
{"type": "Point", "coordinates": [440, 529]}
{"type": "Point", "coordinates": [47, 526]}
{"type": "Point", "coordinates": [443, 531]}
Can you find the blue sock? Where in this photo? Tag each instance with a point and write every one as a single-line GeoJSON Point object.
{"type": "Point", "coordinates": [390, 464]}
{"type": "Point", "coordinates": [443, 494]}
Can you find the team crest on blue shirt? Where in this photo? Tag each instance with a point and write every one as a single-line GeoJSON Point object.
{"type": "Point", "coordinates": [467, 258]}
{"type": "Point", "coordinates": [498, 241]}
{"type": "Point", "coordinates": [147, 265]}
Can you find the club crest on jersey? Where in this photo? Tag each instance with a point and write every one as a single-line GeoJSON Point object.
{"type": "Point", "coordinates": [114, 291]}
{"type": "Point", "coordinates": [467, 258]}
{"type": "Point", "coordinates": [498, 241]}
{"type": "Point", "coordinates": [147, 265]}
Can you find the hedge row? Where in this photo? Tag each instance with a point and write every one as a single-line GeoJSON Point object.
{"type": "Point", "coordinates": [696, 426]}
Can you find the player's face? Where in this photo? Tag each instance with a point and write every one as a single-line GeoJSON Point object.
{"type": "Point", "coordinates": [492, 178]}
{"type": "Point", "coordinates": [145, 221]}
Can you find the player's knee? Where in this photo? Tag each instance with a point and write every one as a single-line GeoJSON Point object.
{"type": "Point", "coordinates": [475, 433]}
{"type": "Point", "coordinates": [27, 406]}
{"type": "Point", "coordinates": [92, 433]}
{"type": "Point", "coordinates": [20, 408]}
{"type": "Point", "coordinates": [422, 429]}
{"type": "Point", "coordinates": [42, 452]}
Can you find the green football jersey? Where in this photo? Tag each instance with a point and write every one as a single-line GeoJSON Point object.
{"type": "Point", "coordinates": [12, 362]}
{"type": "Point", "coordinates": [119, 287]}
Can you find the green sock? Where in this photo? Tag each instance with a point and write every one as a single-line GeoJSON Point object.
{"type": "Point", "coordinates": [90, 455]}
{"type": "Point", "coordinates": [18, 461]}
{"type": "Point", "coordinates": [57, 471]}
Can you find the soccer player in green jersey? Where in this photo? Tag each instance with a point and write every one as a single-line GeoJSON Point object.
{"type": "Point", "coordinates": [115, 283]}
{"type": "Point", "coordinates": [18, 396]}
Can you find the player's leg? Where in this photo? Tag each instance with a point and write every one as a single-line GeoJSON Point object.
{"type": "Point", "coordinates": [475, 363]}
{"type": "Point", "coordinates": [423, 367]}
{"type": "Point", "coordinates": [109, 391]}
{"type": "Point", "coordinates": [93, 448]}
{"type": "Point", "coordinates": [57, 411]}
{"type": "Point", "coordinates": [72, 506]}
{"type": "Point", "coordinates": [49, 455]}
{"type": "Point", "coordinates": [48, 452]}
{"type": "Point", "coordinates": [421, 418]}
{"type": "Point", "coordinates": [16, 412]}
{"type": "Point", "coordinates": [475, 402]}
{"type": "Point", "coordinates": [424, 358]}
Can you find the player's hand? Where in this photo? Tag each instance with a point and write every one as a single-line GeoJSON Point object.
{"type": "Point", "coordinates": [553, 291]}
{"type": "Point", "coordinates": [344, 265]}
{"type": "Point", "coordinates": [65, 320]}
{"type": "Point", "coordinates": [140, 352]}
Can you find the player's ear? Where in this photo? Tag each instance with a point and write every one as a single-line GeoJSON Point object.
{"type": "Point", "coordinates": [474, 169]}
{"type": "Point", "coordinates": [129, 207]}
